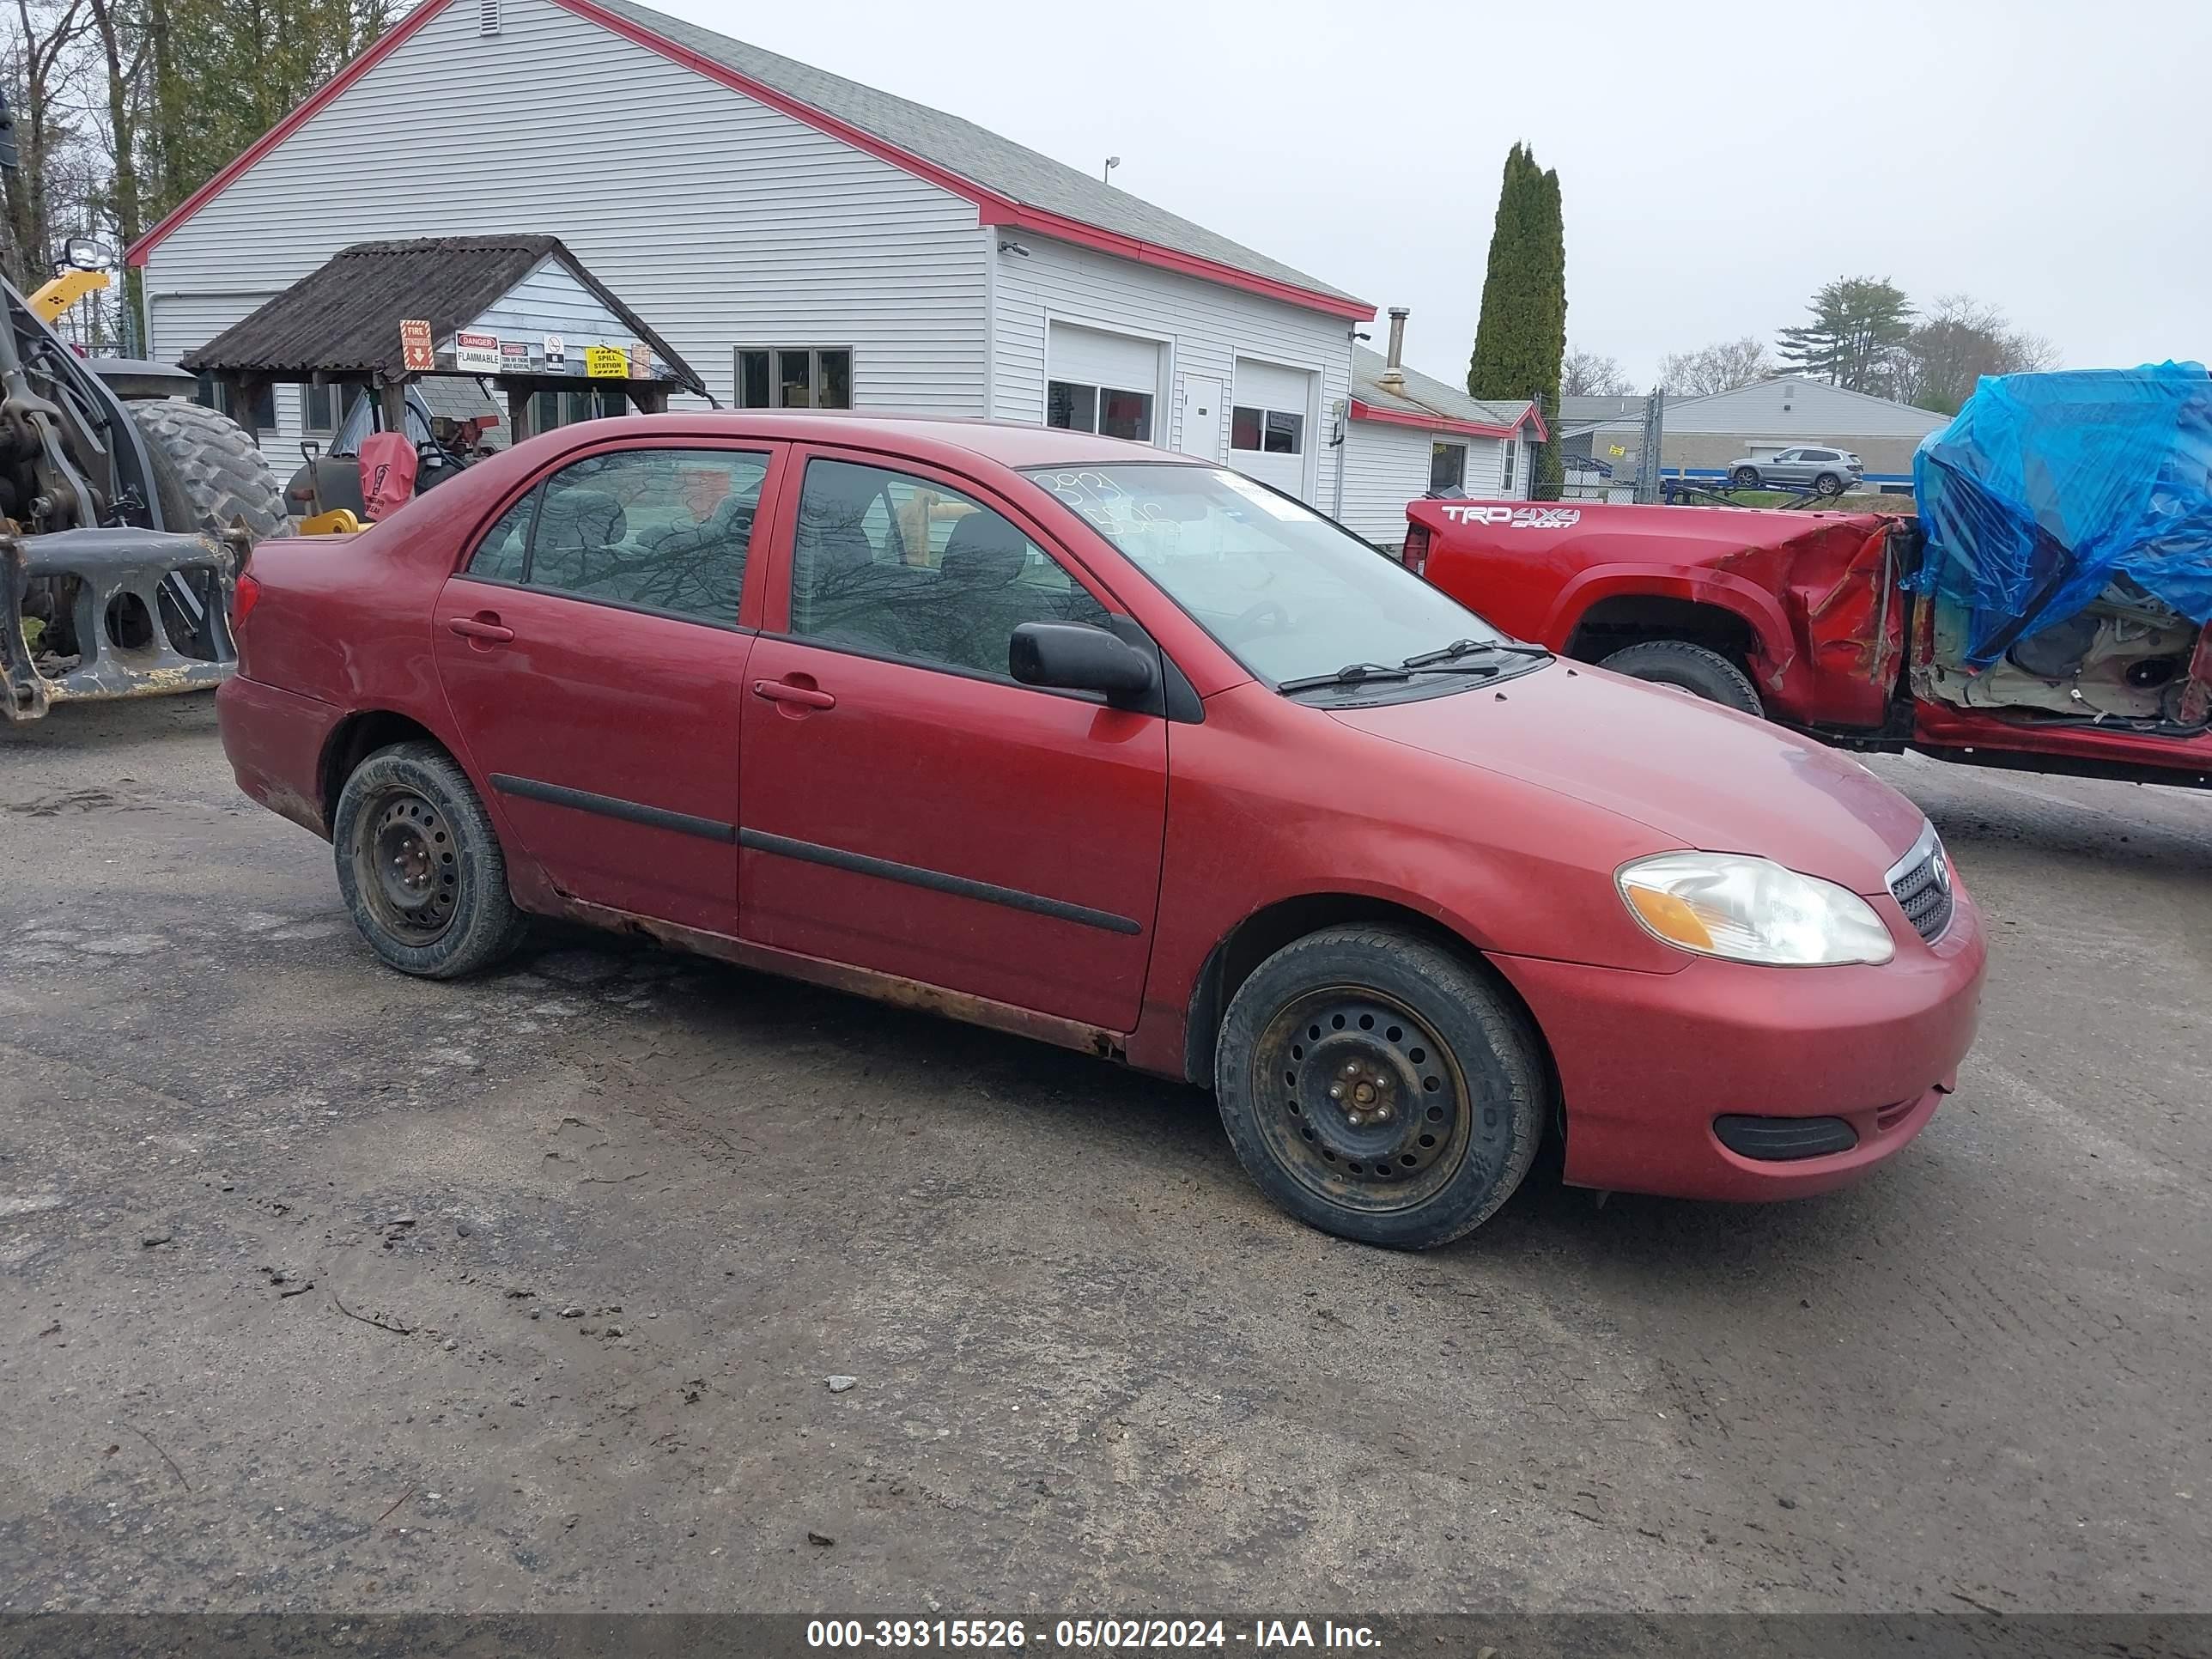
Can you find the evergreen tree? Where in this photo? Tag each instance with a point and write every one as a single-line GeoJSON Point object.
{"type": "Point", "coordinates": [1521, 340]}
{"type": "Point", "coordinates": [1859, 323]}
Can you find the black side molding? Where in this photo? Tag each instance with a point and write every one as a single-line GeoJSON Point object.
{"type": "Point", "coordinates": [937, 881]}
{"type": "Point", "coordinates": [614, 806]}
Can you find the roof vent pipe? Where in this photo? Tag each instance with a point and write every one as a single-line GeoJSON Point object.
{"type": "Point", "coordinates": [1393, 368]}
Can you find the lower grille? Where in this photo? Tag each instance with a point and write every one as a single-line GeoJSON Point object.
{"type": "Point", "coordinates": [1922, 887]}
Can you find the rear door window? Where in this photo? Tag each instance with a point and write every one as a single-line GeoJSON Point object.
{"type": "Point", "coordinates": [660, 530]}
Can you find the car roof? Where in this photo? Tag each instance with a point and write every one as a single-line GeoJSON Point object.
{"type": "Point", "coordinates": [923, 437]}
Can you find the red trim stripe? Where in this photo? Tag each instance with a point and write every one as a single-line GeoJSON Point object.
{"type": "Point", "coordinates": [993, 208]}
{"type": "Point", "coordinates": [1366, 411]}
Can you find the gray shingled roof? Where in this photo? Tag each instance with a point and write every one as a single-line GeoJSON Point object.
{"type": "Point", "coordinates": [998, 165]}
{"type": "Point", "coordinates": [1419, 395]}
{"type": "Point", "coordinates": [343, 317]}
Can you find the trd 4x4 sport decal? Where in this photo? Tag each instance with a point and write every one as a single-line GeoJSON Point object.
{"type": "Point", "coordinates": [1517, 517]}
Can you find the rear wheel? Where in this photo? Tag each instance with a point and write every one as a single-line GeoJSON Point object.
{"type": "Point", "coordinates": [420, 866]}
{"type": "Point", "coordinates": [1745, 478]}
{"type": "Point", "coordinates": [1380, 1088]}
{"type": "Point", "coordinates": [1690, 668]}
{"type": "Point", "coordinates": [1828, 484]}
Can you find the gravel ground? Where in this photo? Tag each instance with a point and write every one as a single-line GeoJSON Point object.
{"type": "Point", "coordinates": [328, 1289]}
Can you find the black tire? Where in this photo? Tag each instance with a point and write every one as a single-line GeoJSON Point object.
{"type": "Point", "coordinates": [1462, 1074]}
{"type": "Point", "coordinates": [420, 866]}
{"type": "Point", "coordinates": [216, 475]}
{"type": "Point", "coordinates": [1745, 478]}
{"type": "Point", "coordinates": [1692, 668]}
{"type": "Point", "coordinates": [1828, 483]}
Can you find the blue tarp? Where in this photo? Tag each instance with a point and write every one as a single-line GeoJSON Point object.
{"type": "Point", "coordinates": [2047, 486]}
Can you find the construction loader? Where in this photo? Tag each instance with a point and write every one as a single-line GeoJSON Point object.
{"type": "Point", "coordinates": [124, 515]}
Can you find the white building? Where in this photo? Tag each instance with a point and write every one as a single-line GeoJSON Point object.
{"type": "Point", "coordinates": [799, 239]}
{"type": "Point", "coordinates": [1702, 435]}
{"type": "Point", "coordinates": [1410, 434]}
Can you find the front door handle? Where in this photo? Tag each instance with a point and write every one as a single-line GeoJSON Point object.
{"type": "Point", "coordinates": [806, 696]}
{"type": "Point", "coordinates": [482, 626]}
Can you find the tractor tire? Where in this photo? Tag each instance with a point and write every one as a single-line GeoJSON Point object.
{"type": "Point", "coordinates": [1690, 668]}
{"type": "Point", "coordinates": [208, 470]}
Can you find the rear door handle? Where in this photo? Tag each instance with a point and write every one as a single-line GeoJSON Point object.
{"type": "Point", "coordinates": [785, 691]}
{"type": "Point", "coordinates": [476, 627]}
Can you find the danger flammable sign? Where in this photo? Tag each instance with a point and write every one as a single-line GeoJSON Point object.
{"type": "Point", "coordinates": [414, 355]}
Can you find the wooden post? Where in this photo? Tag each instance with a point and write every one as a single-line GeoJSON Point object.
{"type": "Point", "coordinates": [517, 410]}
{"type": "Point", "coordinates": [392, 395]}
{"type": "Point", "coordinates": [651, 397]}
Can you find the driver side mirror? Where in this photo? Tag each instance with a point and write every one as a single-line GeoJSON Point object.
{"type": "Point", "coordinates": [1076, 657]}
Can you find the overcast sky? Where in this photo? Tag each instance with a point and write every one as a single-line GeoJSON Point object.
{"type": "Point", "coordinates": [1718, 161]}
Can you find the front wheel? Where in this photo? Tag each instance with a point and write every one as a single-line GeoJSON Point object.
{"type": "Point", "coordinates": [420, 866]}
{"type": "Point", "coordinates": [1691, 668]}
{"type": "Point", "coordinates": [1380, 1088]}
{"type": "Point", "coordinates": [1745, 478]}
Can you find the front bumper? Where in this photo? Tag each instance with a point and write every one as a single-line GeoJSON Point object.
{"type": "Point", "coordinates": [1647, 1061]}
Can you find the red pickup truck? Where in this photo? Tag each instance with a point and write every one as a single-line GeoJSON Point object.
{"type": "Point", "coordinates": [1811, 620]}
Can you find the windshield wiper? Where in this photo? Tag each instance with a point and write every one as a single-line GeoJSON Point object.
{"type": "Point", "coordinates": [1353, 673]}
{"type": "Point", "coordinates": [1459, 648]}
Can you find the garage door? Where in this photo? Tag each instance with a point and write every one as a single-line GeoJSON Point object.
{"type": "Point", "coordinates": [1270, 424]}
{"type": "Point", "coordinates": [1100, 382]}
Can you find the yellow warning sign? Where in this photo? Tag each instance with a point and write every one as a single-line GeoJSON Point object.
{"type": "Point", "coordinates": [606, 362]}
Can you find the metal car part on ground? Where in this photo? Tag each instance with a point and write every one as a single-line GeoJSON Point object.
{"type": "Point", "coordinates": [1818, 621]}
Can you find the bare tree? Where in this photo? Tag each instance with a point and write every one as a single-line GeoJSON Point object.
{"type": "Point", "coordinates": [1957, 341]}
{"type": "Point", "coordinates": [1721, 367]}
{"type": "Point", "coordinates": [1586, 374]}
{"type": "Point", "coordinates": [37, 69]}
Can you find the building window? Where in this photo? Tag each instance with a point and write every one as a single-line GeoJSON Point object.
{"type": "Point", "coordinates": [1505, 481]}
{"type": "Point", "coordinates": [795, 377]}
{"type": "Point", "coordinates": [325, 408]}
{"type": "Point", "coordinates": [258, 412]}
{"type": "Point", "coordinates": [1447, 467]}
{"type": "Point", "coordinates": [1107, 410]}
{"type": "Point", "coordinates": [1270, 431]}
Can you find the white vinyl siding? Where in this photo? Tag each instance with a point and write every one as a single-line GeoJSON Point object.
{"type": "Point", "coordinates": [1386, 465]}
{"type": "Point", "coordinates": [1090, 358]}
{"type": "Point", "coordinates": [718, 221]}
{"type": "Point", "coordinates": [1207, 327]}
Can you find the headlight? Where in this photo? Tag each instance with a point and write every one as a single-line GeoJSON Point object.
{"type": "Point", "coordinates": [1748, 909]}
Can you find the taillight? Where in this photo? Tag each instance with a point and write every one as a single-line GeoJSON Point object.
{"type": "Point", "coordinates": [243, 598]}
{"type": "Point", "coordinates": [1415, 553]}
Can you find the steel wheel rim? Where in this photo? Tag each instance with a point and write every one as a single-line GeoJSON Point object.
{"type": "Point", "coordinates": [408, 866]}
{"type": "Point", "coordinates": [1359, 1100]}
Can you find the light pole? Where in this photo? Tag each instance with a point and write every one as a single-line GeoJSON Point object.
{"type": "Point", "coordinates": [1112, 162]}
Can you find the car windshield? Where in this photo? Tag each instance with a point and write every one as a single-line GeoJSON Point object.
{"type": "Point", "coordinates": [1292, 595]}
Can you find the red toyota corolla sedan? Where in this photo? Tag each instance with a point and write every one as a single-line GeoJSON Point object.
{"type": "Point", "coordinates": [1124, 751]}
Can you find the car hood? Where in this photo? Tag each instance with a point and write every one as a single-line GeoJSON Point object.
{"type": "Point", "coordinates": [1708, 777]}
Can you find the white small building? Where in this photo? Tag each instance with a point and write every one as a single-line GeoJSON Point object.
{"type": "Point", "coordinates": [1702, 435]}
{"type": "Point", "coordinates": [1410, 434]}
{"type": "Point", "coordinates": [800, 239]}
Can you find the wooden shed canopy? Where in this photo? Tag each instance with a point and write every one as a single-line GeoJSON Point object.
{"type": "Point", "coordinates": [524, 299]}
